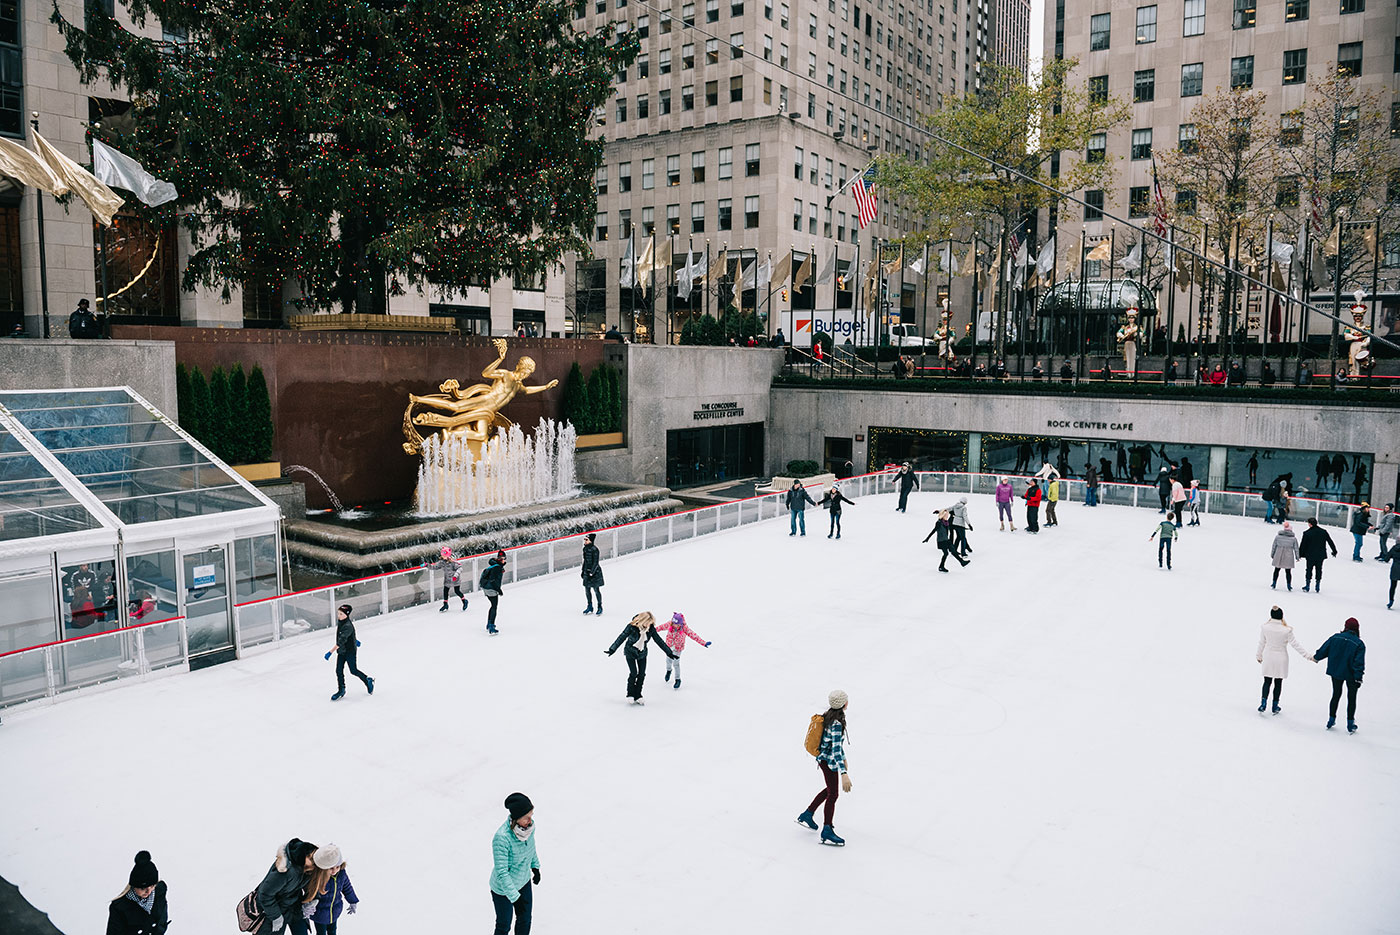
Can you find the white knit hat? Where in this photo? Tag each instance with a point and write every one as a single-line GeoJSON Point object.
{"type": "Point", "coordinates": [327, 857]}
{"type": "Point", "coordinates": [837, 699]}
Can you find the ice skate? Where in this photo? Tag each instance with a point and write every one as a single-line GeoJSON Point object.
{"type": "Point", "coordinates": [1306, 587]}
{"type": "Point", "coordinates": [1331, 723]}
{"type": "Point", "coordinates": [1351, 727]}
{"type": "Point", "coordinates": [1263, 703]}
{"type": "Point", "coordinates": [369, 684]}
{"type": "Point", "coordinates": [829, 837]}
{"type": "Point", "coordinates": [588, 609]}
{"type": "Point", "coordinates": [337, 696]}
{"type": "Point", "coordinates": [638, 701]}
{"type": "Point", "coordinates": [805, 819]}
{"type": "Point", "coordinates": [678, 684]}
{"type": "Point", "coordinates": [464, 603]}
{"type": "Point", "coordinates": [1277, 709]}
{"type": "Point", "coordinates": [443, 608]}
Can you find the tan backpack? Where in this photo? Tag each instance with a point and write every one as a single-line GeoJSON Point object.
{"type": "Point", "coordinates": [814, 735]}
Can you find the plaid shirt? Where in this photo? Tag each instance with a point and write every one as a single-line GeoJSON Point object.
{"type": "Point", "coordinates": [833, 748]}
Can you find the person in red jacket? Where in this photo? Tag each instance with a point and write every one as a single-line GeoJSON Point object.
{"type": "Point", "coordinates": [1032, 498]}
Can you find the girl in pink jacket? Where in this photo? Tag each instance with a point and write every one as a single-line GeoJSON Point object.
{"type": "Point", "coordinates": [676, 631]}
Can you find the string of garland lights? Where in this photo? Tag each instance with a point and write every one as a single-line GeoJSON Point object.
{"type": "Point", "coordinates": [879, 434]}
{"type": "Point", "coordinates": [752, 65]}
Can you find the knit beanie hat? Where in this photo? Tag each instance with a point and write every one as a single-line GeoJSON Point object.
{"type": "Point", "coordinates": [518, 804]}
{"type": "Point", "coordinates": [1352, 625]}
{"type": "Point", "coordinates": [327, 857]}
{"type": "Point", "coordinates": [837, 699]}
{"type": "Point", "coordinates": [1276, 613]}
{"type": "Point", "coordinates": [143, 873]}
{"type": "Point", "coordinates": [678, 619]}
{"type": "Point", "coordinates": [446, 552]}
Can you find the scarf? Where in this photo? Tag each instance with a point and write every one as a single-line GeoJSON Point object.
{"type": "Point", "coordinates": [522, 833]}
{"type": "Point", "coordinates": [147, 904]}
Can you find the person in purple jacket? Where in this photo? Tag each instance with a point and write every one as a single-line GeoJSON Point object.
{"type": "Point", "coordinates": [328, 890]}
{"type": "Point", "coordinates": [1004, 495]}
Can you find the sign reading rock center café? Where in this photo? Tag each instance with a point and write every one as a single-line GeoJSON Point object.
{"type": "Point", "coordinates": [1088, 424]}
{"type": "Point", "coordinates": [709, 411]}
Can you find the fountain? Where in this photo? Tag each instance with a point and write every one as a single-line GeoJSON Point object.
{"type": "Point", "coordinates": [510, 469]}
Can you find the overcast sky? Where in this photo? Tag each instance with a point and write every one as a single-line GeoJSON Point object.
{"type": "Point", "coordinates": [1037, 29]}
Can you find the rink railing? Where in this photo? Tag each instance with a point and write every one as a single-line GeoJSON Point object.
{"type": "Point", "coordinates": [50, 670]}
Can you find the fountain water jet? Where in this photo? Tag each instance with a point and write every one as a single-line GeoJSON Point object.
{"type": "Point", "coordinates": [511, 469]}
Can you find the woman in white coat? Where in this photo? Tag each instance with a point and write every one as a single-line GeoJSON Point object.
{"type": "Point", "coordinates": [1274, 639]}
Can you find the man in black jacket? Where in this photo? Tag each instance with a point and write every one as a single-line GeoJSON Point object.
{"type": "Point", "coordinates": [346, 647]}
{"type": "Point", "coordinates": [797, 499]}
{"type": "Point", "coordinates": [1313, 550]}
{"type": "Point", "coordinates": [490, 585]}
{"type": "Point", "coordinates": [907, 480]}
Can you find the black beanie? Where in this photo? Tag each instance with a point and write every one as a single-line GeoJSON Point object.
{"type": "Point", "coordinates": [144, 873]}
{"type": "Point", "coordinates": [1276, 613]}
{"type": "Point", "coordinates": [518, 804]}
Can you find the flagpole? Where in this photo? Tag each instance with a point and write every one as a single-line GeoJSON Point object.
{"type": "Point", "coordinates": [43, 259]}
{"type": "Point", "coordinates": [976, 301]}
{"type": "Point", "coordinates": [1287, 315]}
{"type": "Point", "coordinates": [899, 351]}
{"type": "Point", "coordinates": [1305, 287]}
{"type": "Point", "coordinates": [1145, 258]}
{"type": "Point", "coordinates": [1108, 298]}
{"type": "Point", "coordinates": [1266, 316]}
{"type": "Point", "coordinates": [1021, 303]}
{"type": "Point", "coordinates": [768, 325]}
{"type": "Point", "coordinates": [923, 325]}
{"type": "Point", "coordinates": [1336, 294]}
{"type": "Point", "coordinates": [1171, 300]}
{"type": "Point", "coordinates": [1375, 270]}
{"type": "Point", "coordinates": [855, 298]}
{"type": "Point", "coordinates": [709, 277]}
{"type": "Point", "coordinates": [1083, 232]}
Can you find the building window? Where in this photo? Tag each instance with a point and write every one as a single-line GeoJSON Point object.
{"type": "Point", "coordinates": [1348, 123]}
{"type": "Point", "coordinates": [673, 171]}
{"type": "Point", "coordinates": [750, 211]}
{"type": "Point", "coordinates": [1193, 23]}
{"type": "Point", "coordinates": [1349, 59]}
{"type": "Point", "coordinates": [797, 155]}
{"type": "Point", "coordinates": [663, 99]}
{"type": "Point", "coordinates": [1295, 66]}
{"type": "Point", "coordinates": [643, 27]}
{"type": "Point", "coordinates": [1186, 202]}
{"type": "Point", "coordinates": [1137, 201]}
{"type": "Point", "coordinates": [673, 218]}
{"type": "Point", "coordinates": [1396, 68]}
{"type": "Point", "coordinates": [643, 65]}
{"type": "Point", "coordinates": [688, 56]}
{"type": "Point", "coordinates": [711, 11]}
{"type": "Point", "coordinates": [1390, 250]}
{"type": "Point", "coordinates": [1098, 89]}
{"type": "Point", "coordinates": [1244, 14]}
{"type": "Point", "coordinates": [1098, 32]}
{"type": "Point", "coordinates": [663, 61]}
{"type": "Point", "coordinates": [600, 180]}
{"type": "Point", "coordinates": [1144, 86]}
{"type": "Point", "coordinates": [811, 217]}
{"type": "Point", "coordinates": [688, 97]}
{"type": "Point", "coordinates": [726, 214]}
{"type": "Point", "coordinates": [1146, 24]}
{"type": "Point", "coordinates": [736, 45]}
{"type": "Point", "coordinates": [711, 93]}
{"type": "Point", "coordinates": [621, 110]}
{"type": "Point", "coordinates": [736, 7]}
{"type": "Point", "coordinates": [624, 223]}
{"type": "Point", "coordinates": [688, 14]}
{"type": "Point", "coordinates": [812, 25]}
{"type": "Point", "coordinates": [751, 160]}
{"type": "Point", "coordinates": [648, 174]}
{"type": "Point", "coordinates": [736, 88]}
{"type": "Point", "coordinates": [1295, 11]}
{"type": "Point", "coordinates": [664, 21]}
{"type": "Point", "coordinates": [1287, 194]}
{"type": "Point", "coordinates": [697, 217]}
{"type": "Point", "coordinates": [1242, 72]}
{"type": "Point", "coordinates": [624, 176]}
{"type": "Point", "coordinates": [712, 51]}
{"type": "Point", "coordinates": [648, 221]}
{"type": "Point", "coordinates": [1093, 204]}
{"type": "Point", "coordinates": [768, 48]}
{"type": "Point", "coordinates": [1186, 137]}
{"type": "Point", "coordinates": [1142, 144]}
{"type": "Point", "coordinates": [726, 162]}
{"type": "Point", "coordinates": [1353, 6]}
{"type": "Point", "coordinates": [797, 214]}
{"type": "Point", "coordinates": [600, 226]}
{"type": "Point", "coordinates": [697, 166]}
{"type": "Point", "coordinates": [643, 107]}
{"type": "Point", "coordinates": [1097, 149]}
{"type": "Point", "coordinates": [1192, 78]}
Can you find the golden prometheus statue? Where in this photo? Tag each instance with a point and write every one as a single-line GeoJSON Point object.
{"type": "Point", "coordinates": [473, 413]}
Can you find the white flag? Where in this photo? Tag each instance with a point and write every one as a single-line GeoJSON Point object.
{"type": "Point", "coordinates": [1282, 252]}
{"type": "Point", "coordinates": [828, 269]}
{"type": "Point", "coordinates": [101, 200]}
{"type": "Point", "coordinates": [1133, 261]}
{"type": "Point", "coordinates": [120, 170]}
{"type": "Point", "coordinates": [645, 265]}
{"type": "Point", "coordinates": [683, 278]}
{"type": "Point", "coordinates": [917, 267]}
{"type": "Point", "coordinates": [946, 261]}
{"type": "Point", "coordinates": [746, 276]}
{"type": "Point", "coordinates": [1046, 261]}
{"type": "Point", "coordinates": [626, 279]}
{"type": "Point", "coordinates": [764, 274]}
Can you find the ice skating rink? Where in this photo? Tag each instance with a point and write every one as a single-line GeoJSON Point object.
{"type": "Point", "coordinates": [1059, 738]}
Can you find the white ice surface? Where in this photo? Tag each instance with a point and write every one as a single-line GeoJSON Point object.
{"type": "Point", "coordinates": [1059, 738]}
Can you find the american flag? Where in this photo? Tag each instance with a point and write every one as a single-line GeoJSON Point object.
{"type": "Point", "coordinates": [1317, 212]}
{"type": "Point", "coordinates": [865, 197]}
{"type": "Point", "coordinates": [1159, 204]}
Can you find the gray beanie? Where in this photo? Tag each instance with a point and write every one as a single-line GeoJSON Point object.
{"type": "Point", "coordinates": [837, 699]}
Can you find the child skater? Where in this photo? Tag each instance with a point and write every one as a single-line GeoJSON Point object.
{"type": "Point", "coordinates": [1193, 503]}
{"type": "Point", "coordinates": [635, 635]}
{"type": "Point", "coordinates": [328, 890]}
{"type": "Point", "coordinates": [452, 580]}
{"type": "Point", "coordinates": [1167, 530]}
{"type": "Point", "coordinates": [676, 632]}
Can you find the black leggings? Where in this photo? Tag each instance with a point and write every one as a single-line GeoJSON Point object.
{"type": "Point", "coordinates": [1278, 689]}
{"type": "Point", "coordinates": [589, 591]}
{"type": "Point", "coordinates": [448, 586]}
{"type": "Point", "coordinates": [341, 661]}
{"type": "Point", "coordinates": [1352, 686]}
{"type": "Point", "coordinates": [1392, 589]}
{"type": "Point", "coordinates": [1287, 575]}
{"type": "Point", "coordinates": [948, 550]}
{"type": "Point", "coordinates": [491, 617]}
{"type": "Point", "coordinates": [636, 673]}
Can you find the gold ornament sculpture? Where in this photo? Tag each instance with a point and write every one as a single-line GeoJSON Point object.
{"type": "Point", "coordinates": [1358, 341]}
{"type": "Point", "coordinates": [473, 413]}
{"type": "Point", "coordinates": [1128, 337]}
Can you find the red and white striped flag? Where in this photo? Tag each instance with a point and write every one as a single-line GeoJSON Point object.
{"type": "Point", "coordinates": [865, 197]}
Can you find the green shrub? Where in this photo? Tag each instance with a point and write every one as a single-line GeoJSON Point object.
{"type": "Point", "coordinates": [197, 421]}
{"type": "Point", "coordinates": [259, 414]}
{"type": "Point", "coordinates": [239, 434]}
{"type": "Point", "coordinates": [576, 398]}
{"type": "Point", "coordinates": [217, 430]}
{"type": "Point", "coordinates": [183, 402]}
{"type": "Point", "coordinates": [803, 468]}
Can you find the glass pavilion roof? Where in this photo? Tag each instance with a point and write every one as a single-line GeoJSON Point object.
{"type": "Point", "coordinates": [77, 459]}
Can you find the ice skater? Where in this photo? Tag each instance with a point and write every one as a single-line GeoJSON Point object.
{"type": "Point", "coordinates": [907, 481]}
{"type": "Point", "coordinates": [1360, 525]}
{"type": "Point", "coordinates": [1385, 528]}
{"type": "Point", "coordinates": [1275, 636]}
{"type": "Point", "coordinates": [279, 894]}
{"type": "Point", "coordinates": [1091, 484]}
{"type": "Point", "coordinates": [1346, 664]}
{"type": "Point", "coordinates": [1313, 550]}
{"type": "Point", "coordinates": [1164, 533]}
{"type": "Point", "coordinates": [676, 632]}
{"type": "Point", "coordinates": [944, 530]}
{"type": "Point", "coordinates": [1052, 499]}
{"type": "Point", "coordinates": [1179, 498]}
{"type": "Point", "coordinates": [329, 890]}
{"type": "Point", "coordinates": [829, 748]}
{"type": "Point", "coordinates": [957, 517]}
{"type": "Point", "coordinates": [141, 909]}
{"type": "Point", "coordinates": [1393, 556]}
{"type": "Point", "coordinates": [1193, 502]}
{"type": "Point", "coordinates": [592, 574]}
{"type": "Point", "coordinates": [346, 649]}
{"type": "Point", "coordinates": [832, 501]}
{"type": "Point", "coordinates": [1285, 555]}
{"type": "Point", "coordinates": [1032, 498]}
{"type": "Point", "coordinates": [490, 585]}
{"type": "Point", "coordinates": [514, 866]}
{"type": "Point", "coordinates": [1004, 495]}
{"type": "Point", "coordinates": [638, 630]}
{"type": "Point", "coordinates": [797, 499]}
{"type": "Point", "coordinates": [452, 577]}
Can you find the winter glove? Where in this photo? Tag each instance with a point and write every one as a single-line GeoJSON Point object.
{"type": "Point", "coordinates": [707, 645]}
{"type": "Point", "coordinates": [308, 910]}
{"type": "Point", "coordinates": [1259, 659]}
{"type": "Point", "coordinates": [276, 924]}
{"type": "Point", "coordinates": [845, 782]}
{"type": "Point", "coordinates": [351, 908]}
{"type": "Point", "coordinates": [328, 653]}
{"type": "Point", "coordinates": [535, 873]}
{"type": "Point", "coordinates": [607, 652]}
{"type": "Point", "coordinates": [357, 642]}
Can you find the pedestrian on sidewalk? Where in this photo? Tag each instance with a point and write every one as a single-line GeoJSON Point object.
{"type": "Point", "coordinates": [907, 481]}
{"type": "Point", "coordinates": [830, 753]}
{"type": "Point", "coordinates": [1275, 636]}
{"type": "Point", "coordinates": [943, 528]}
{"type": "Point", "coordinates": [1052, 499]}
{"type": "Point", "coordinates": [141, 908]}
{"type": "Point", "coordinates": [346, 648]}
{"type": "Point", "coordinates": [329, 890]}
{"type": "Point", "coordinates": [451, 569]}
{"type": "Point", "coordinates": [279, 894]}
{"type": "Point", "coordinates": [676, 632]}
{"type": "Point", "coordinates": [1004, 495]}
{"type": "Point", "coordinates": [1360, 525]}
{"type": "Point", "coordinates": [592, 574]}
{"type": "Point", "coordinates": [797, 499]}
{"type": "Point", "coordinates": [515, 866]}
{"type": "Point", "coordinates": [490, 584]}
{"type": "Point", "coordinates": [832, 501]}
{"type": "Point", "coordinates": [638, 630]}
{"type": "Point", "coordinates": [1313, 550]}
{"type": "Point", "coordinates": [1285, 555]}
{"type": "Point", "coordinates": [1032, 498]}
{"type": "Point", "coordinates": [1346, 665]}
{"type": "Point", "coordinates": [1165, 533]}
{"type": "Point", "coordinates": [1091, 486]}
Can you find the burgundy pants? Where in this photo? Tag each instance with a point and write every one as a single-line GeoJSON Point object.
{"type": "Point", "coordinates": [827, 795]}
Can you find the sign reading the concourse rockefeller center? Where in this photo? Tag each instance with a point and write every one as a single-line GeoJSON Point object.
{"type": "Point", "coordinates": [709, 411]}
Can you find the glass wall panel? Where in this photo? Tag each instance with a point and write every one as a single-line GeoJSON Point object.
{"type": "Point", "coordinates": [255, 568]}
{"type": "Point", "coordinates": [89, 598]}
{"type": "Point", "coordinates": [27, 609]}
{"type": "Point", "coordinates": [152, 593]}
{"type": "Point", "coordinates": [1330, 475]}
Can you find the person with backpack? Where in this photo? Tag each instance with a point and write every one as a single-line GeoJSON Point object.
{"type": "Point", "coordinates": [278, 896]}
{"type": "Point", "coordinates": [346, 648]}
{"type": "Point", "coordinates": [676, 632]}
{"type": "Point", "coordinates": [1166, 529]}
{"type": "Point", "coordinates": [1032, 498]}
{"type": "Point", "coordinates": [1346, 665]}
{"type": "Point", "coordinates": [329, 890]}
{"type": "Point", "coordinates": [944, 530]}
{"type": "Point", "coordinates": [451, 569]}
{"type": "Point", "coordinates": [1284, 552]}
{"type": "Point", "coordinates": [638, 630]}
{"type": "Point", "coordinates": [1275, 636]}
{"type": "Point", "coordinates": [797, 499]}
{"type": "Point", "coordinates": [141, 908]}
{"type": "Point", "coordinates": [826, 740]}
{"type": "Point", "coordinates": [515, 865]}
{"type": "Point", "coordinates": [832, 501]}
{"type": "Point", "coordinates": [1004, 495]}
{"type": "Point", "coordinates": [1313, 550]}
{"type": "Point", "coordinates": [592, 574]}
{"type": "Point", "coordinates": [907, 481]}
{"type": "Point", "coordinates": [490, 585]}
{"type": "Point", "coordinates": [1360, 525]}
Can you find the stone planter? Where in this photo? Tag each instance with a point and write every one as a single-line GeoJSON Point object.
{"type": "Point", "coordinates": [600, 440]}
{"type": "Point", "coordinates": [268, 470]}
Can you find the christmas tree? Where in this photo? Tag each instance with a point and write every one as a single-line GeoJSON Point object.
{"type": "Point", "coordinates": [357, 145]}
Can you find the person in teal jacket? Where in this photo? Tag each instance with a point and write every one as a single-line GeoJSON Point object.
{"type": "Point", "coordinates": [515, 866]}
